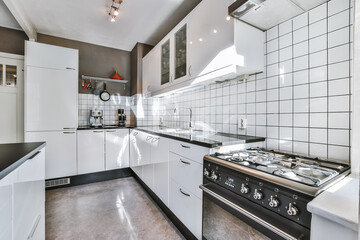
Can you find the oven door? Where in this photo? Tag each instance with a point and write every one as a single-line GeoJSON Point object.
{"type": "Point", "coordinates": [229, 216]}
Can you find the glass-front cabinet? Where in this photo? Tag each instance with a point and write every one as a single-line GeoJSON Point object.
{"type": "Point", "coordinates": [165, 62]}
{"type": "Point", "coordinates": [180, 53]}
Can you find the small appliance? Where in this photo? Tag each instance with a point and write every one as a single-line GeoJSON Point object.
{"type": "Point", "coordinates": [96, 118]}
{"type": "Point", "coordinates": [122, 117]}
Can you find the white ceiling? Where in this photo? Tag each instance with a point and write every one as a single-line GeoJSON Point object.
{"type": "Point", "coordinates": [6, 18]}
{"type": "Point", "coordinates": [145, 21]}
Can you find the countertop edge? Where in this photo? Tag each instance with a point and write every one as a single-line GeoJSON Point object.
{"type": "Point", "coordinates": [322, 205]}
{"type": "Point", "coordinates": [19, 162]}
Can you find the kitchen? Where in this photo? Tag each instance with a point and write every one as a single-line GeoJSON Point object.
{"type": "Point", "coordinates": [185, 126]}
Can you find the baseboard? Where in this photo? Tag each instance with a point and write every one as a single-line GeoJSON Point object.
{"type": "Point", "coordinates": [178, 224]}
{"type": "Point", "coordinates": [94, 177]}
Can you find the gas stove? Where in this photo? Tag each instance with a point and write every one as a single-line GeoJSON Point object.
{"type": "Point", "coordinates": [268, 190]}
{"type": "Point", "coordinates": [312, 172]}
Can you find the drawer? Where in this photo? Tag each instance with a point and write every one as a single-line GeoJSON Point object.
{"type": "Point", "coordinates": [191, 151]}
{"type": "Point", "coordinates": [187, 207]}
{"type": "Point", "coordinates": [33, 169]}
{"type": "Point", "coordinates": [187, 173]}
{"type": "Point", "coordinates": [10, 178]}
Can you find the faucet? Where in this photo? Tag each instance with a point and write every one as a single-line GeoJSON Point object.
{"type": "Point", "coordinates": [190, 118]}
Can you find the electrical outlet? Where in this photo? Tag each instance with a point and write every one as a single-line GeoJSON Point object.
{"type": "Point", "coordinates": [242, 122]}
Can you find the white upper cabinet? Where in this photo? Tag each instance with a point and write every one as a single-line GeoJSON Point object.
{"type": "Point", "coordinates": [151, 71]}
{"type": "Point", "coordinates": [116, 148]}
{"type": "Point", "coordinates": [49, 56]}
{"type": "Point", "coordinates": [50, 99]}
{"type": "Point", "coordinates": [207, 46]}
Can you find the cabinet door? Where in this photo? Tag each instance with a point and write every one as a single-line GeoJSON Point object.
{"type": "Point", "coordinates": [60, 152]}
{"type": "Point", "coordinates": [135, 153]}
{"type": "Point", "coordinates": [6, 209]}
{"type": "Point", "coordinates": [91, 151]}
{"type": "Point", "coordinates": [211, 39]}
{"type": "Point", "coordinates": [117, 149]}
{"type": "Point", "coordinates": [181, 71]}
{"type": "Point", "coordinates": [49, 56]}
{"type": "Point", "coordinates": [50, 99]}
{"type": "Point", "coordinates": [151, 71]}
{"type": "Point", "coordinates": [160, 160]}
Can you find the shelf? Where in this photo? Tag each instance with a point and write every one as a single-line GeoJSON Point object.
{"type": "Point", "coordinates": [83, 77]}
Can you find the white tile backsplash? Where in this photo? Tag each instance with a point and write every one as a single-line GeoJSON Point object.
{"type": "Point", "coordinates": [301, 103]}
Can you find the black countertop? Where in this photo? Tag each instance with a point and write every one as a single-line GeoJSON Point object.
{"type": "Point", "coordinates": [12, 155]}
{"type": "Point", "coordinates": [205, 139]}
{"type": "Point", "coordinates": [103, 127]}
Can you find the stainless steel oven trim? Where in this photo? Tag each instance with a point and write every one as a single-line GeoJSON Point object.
{"type": "Point", "coordinates": [248, 214]}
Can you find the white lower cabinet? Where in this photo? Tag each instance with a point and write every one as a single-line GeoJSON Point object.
{"type": "Point", "coordinates": [60, 152]}
{"type": "Point", "coordinates": [116, 149]}
{"type": "Point", "coordinates": [91, 149]}
{"type": "Point", "coordinates": [22, 200]}
{"type": "Point", "coordinates": [187, 207]}
{"type": "Point", "coordinates": [135, 156]}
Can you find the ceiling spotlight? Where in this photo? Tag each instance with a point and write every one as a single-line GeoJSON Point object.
{"type": "Point", "coordinates": [116, 11]}
{"type": "Point", "coordinates": [112, 19]}
{"type": "Point", "coordinates": [214, 31]}
{"type": "Point", "coordinates": [228, 18]}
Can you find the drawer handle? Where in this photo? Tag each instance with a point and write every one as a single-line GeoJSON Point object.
{"type": "Point", "coordinates": [97, 131]}
{"type": "Point", "coordinates": [68, 132]}
{"type": "Point", "coordinates": [185, 162]}
{"type": "Point", "coordinates": [69, 128]}
{"type": "Point", "coordinates": [110, 131]}
{"type": "Point", "coordinates": [186, 194]}
{"type": "Point", "coordinates": [155, 139]}
{"type": "Point", "coordinates": [34, 227]}
{"type": "Point", "coordinates": [184, 146]}
{"type": "Point", "coordinates": [135, 133]}
{"type": "Point", "coordinates": [69, 68]}
{"type": "Point", "coordinates": [30, 158]}
{"type": "Point", "coordinates": [148, 138]}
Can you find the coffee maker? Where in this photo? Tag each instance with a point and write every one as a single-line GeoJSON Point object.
{"type": "Point", "coordinates": [96, 118]}
{"type": "Point", "coordinates": [122, 117]}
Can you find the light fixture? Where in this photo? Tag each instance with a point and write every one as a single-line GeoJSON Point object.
{"type": "Point", "coordinates": [114, 9]}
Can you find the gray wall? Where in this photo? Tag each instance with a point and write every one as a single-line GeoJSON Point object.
{"type": "Point", "coordinates": [97, 61]}
{"type": "Point", "coordinates": [12, 41]}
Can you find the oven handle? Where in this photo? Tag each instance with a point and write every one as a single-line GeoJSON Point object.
{"type": "Point", "coordinates": [248, 214]}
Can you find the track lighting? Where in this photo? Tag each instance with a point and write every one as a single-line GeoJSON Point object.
{"type": "Point", "coordinates": [114, 9]}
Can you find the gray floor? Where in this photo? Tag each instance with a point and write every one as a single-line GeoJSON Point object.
{"type": "Point", "coordinates": [116, 209]}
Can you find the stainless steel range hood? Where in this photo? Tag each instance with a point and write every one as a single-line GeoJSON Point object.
{"type": "Point", "coordinates": [264, 14]}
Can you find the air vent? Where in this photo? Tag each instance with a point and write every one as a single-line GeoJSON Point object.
{"type": "Point", "coordinates": [57, 182]}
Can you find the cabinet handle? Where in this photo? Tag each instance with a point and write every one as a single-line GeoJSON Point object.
{"type": "Point", "coordinates": [186, 194]}
{"type": "Point", "coordinates": [98, 131]}
{"type": "Point", "coordinates": [68, 132]}
{"type": "Point", "coordinates": [185, 162]}
{"type": "Point", "coordinates": [189, 71]}
{"type": "Point", "coordinates": [69, 68]}
{"type": "Point", "coordinates": [30, 158]}
{"type": "Point", "coordinates": [110, 131]}
{"type": "Point", "coordinates": [184, 146]}
{"type": "Point", "coordinates": [135, 133]}
{"type": "Point", "coordinates": [69, 128]}
{"type": "Point", "coordinates": [148, 138]}
{"type": "Point", "coordinates": [171, 79]}
{"type": "Point", "coordinates": [34, 227]}
{"type": "Point", "coordinates": [154, 139]}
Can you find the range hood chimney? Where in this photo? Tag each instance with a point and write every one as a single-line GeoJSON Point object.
{"type": "Point", "coordinates": [265, 14]}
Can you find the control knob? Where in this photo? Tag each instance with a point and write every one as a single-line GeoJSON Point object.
{"type": "Point", "coordinates": [244, 189]}
{"type": "Point", "coordinates": [213, 176]}
{"type": "Point", "coordinates": [258, 195]}
{"type": "Point", "coordinates": [292, 210]}
{"type": "Point", "coordinates": [206, 172]}
{"type": "Point", "coordinates": [273, 202]}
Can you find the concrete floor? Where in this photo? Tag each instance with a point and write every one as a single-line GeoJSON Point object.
{"type": "Point", "coordinates": [116, 209]}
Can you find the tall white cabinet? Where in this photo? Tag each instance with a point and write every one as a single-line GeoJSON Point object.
{"type": "Point", "coordinates": [51, 88]}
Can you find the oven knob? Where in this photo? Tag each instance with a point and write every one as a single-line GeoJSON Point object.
{"type": "Point", "coordinates": [258, 195]}
{"type": "Point", "coordinates": [273, 202]}
{"type": "Point", "coordinates": [292, 210]}
{"type": "Point", "coordinates": [206, 172]}
{"type": "Point", "coordinates": [213, 176]}
{"type": "Point", "coordinates": [244, 189]}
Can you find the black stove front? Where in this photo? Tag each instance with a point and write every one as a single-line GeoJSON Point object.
{"type": "Point", "coordinates": [241, 206]}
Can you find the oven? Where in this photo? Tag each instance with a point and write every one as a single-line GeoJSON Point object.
{"type": "Point", "coordinates": [240, 206]}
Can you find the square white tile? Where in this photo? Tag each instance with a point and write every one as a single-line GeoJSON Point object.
{"type": "Point", "coordinates": [301, 148]}
{"type": "Point", "coordinates": [285, 146]}
{"type": "Point", "coordinates": [318, 13]}
{"type": "Point", "coordinates": [261, 119]}
{"type": "Point", "coordinates": [339, 87]}
{"type": "Point", "coordinates": [300, 35]}
{"type": "Point", "coordinates": [339, 54]}
{"type": "Point", "coordinates": [272, 58]}
{"type": "Point", "coordinates": [301, 49]}
{"type": "Point", "coordinates": [339, 20]}
{"type": "Point", "coordinates": [301, 134]}
{"type": "Point", "coordinates": [339, 103]}
{"type": "Point", "coordinates": [301, 63]}
{"type": "Point", "coordinates": [285, 40]}
{"type": "Point", "coordinates": [339, 120]}
{"type": "Point", "coordinates": [272, 33]}
{"type": "Point", "coordinates": [300, 21]}
{"type": "Point", "coordinates": [301, 105]}
{"type": "Point", "coordinates": [285, 54]}
{"type": "Point", "coordinates": [301, 120]}
{"type": "Point", "coordinates": [273, 107]}
{"type": "Point", "coordinates": [338, 37]}
{"type": "Point", "coordinates": [318, 120]}
{"type": "Point", "coordinates": [286, 106]}
{"type": "Point", "coordinates": [260, 107]}
{"type": "Point", "coordinates": [318, 135]}
{"type": "Point", "coordinates": [318, 150]}
{"type": "Point", "coordinates": [286, 120]}
{"type": "Point", "coordinates": [318, 89]}
{"type": "Point", "coordinates": [339, 137]}
{"type": "Point", "coordinates": [272, 70]}
{"type": "Point", "coordinates": [272, 132]}
{"type": "Point", "coordinates": [318, 59]}
{"type": "Point", "coordinates": [285, 80]}
{"type": "Point", "coordinates": [272, 119]}
{"type": "Point", "coordinates": [318, 28]}
{"type": "Point", "coordinates": [286, 93]}
{"type": "Point", "coordinates": [339, 154]}
{"type": "Point", "coordinates": [301, 91]}
{"type": "Point", "coordinates": [318, 74]}
{"type": "Point", "coordinates": [272, 45]}
{"type": "Point", "coordinates": [272, 144]}
{"type": "Point", "coordinates": [318, 104]}
{"type": "Point", "coordinates": [335, 6]}
{"type": "Point", "coordinates": [272, 94]}
{"type": "Point", "coordinates": [285, 133]}
{"type": "Point", "coordinates": [318, 43]}
{"type": "Point", "coordinates": [285, 67]}
{"type": "Point", "coordinates": [301, 77]}
{"type": "Point", "coordinates": [272, 82]}
{"type": "Point", "coordinates": [339, 70]}
{"type": "Point", "coordinates": [261, 96]}
{"type": "Point", "coordinates": [285, 27]}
